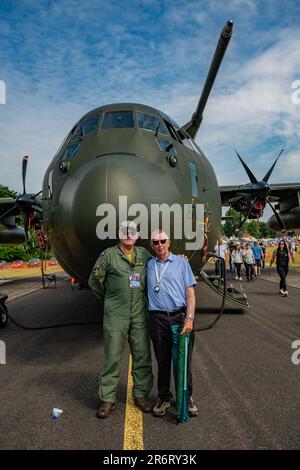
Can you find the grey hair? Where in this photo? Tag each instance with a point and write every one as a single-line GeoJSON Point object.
{"type": "Point", "coordinates": [159, 231]}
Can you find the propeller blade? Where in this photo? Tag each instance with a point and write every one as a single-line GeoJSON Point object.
{"type": "Point", "coordinates": [267, 176]}
{"type": "Point", "coordinates": [26, 224]}
{"type": "Point", "coordinates": [24, 170]}
{"type": "Point", "coordinates": [278, 218]}
{"type": "Point", "coordinates": [245, 218]}
{"type": "Point", "coordinates": [247, 169]}
{"type": "Point", "coordinates": [37, 194]}
{"type": "Point", "coordinates": [2, 216]}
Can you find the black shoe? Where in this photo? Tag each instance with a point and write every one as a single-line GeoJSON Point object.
{"type": "Point", "coordinates": [143, 404]}
{"type": "Point", "coordinates": [105, 409]}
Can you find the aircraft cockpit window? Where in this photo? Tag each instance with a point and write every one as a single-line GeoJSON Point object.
{"type": "Point", "coordinates": [87, 126]}
{"type": "Point", "coordinates": [189, 143]}
{"type": "Point", "coordinates": [166, 145]}
{"type": "Point", "coordinates": [173, 132]}
{"type": "Point", "coordinates": [152, 123]}
{"type": "Point", "coordinates": [118, 120]}
{"type": "Point", "coordinates": [70, 152]}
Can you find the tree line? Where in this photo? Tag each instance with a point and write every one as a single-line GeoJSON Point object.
{"type": "Point", "coordinates": [255, 228]}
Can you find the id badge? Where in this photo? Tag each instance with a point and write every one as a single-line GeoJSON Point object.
{"type": "Point", "coordinates": [135, 281]}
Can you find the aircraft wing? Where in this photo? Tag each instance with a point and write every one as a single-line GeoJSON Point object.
{"type": "Point", "coordinates": [228, 193]}
{"type": "Point", "coordinates": [286, 195]}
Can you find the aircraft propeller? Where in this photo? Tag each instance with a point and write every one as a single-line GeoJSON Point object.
{"type": "Point", "coordinates": [260, 191]}
{"type": "Point", "coordinates": [25, 202]}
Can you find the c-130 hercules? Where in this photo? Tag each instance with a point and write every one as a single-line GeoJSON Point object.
{"type": "Point", "coordinates": [124, 149]}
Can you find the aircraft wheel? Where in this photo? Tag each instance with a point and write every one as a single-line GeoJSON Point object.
{"type": "Point", "coordinates": [3, 317]}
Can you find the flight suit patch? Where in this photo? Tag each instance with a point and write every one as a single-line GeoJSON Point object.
{"type": "Point", "coordinates": [96, 272]}
{"type": "Point", "coordinates": [139, 262]}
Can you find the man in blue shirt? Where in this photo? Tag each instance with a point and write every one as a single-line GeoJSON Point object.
{"type": "Point", "coordinates": [170, 284]}
{"type": "Point", "coordinates": [258, 255]}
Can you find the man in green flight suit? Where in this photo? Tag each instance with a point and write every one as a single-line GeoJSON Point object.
{"type": "Point", "coordinates": [118, 278]}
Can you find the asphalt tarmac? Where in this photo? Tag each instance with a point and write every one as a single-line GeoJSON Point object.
{"type": "Point", "coordinates": [245, 383]}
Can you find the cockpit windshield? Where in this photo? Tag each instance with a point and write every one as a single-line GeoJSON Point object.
{"type": "Point", "coordinates": [70, 152]}
{"type": "Point", "coordinates": [118, 120]}
{"type": "Point", "coordinates": [87, 126]}
{"type": "Point", "coordinates": [152, 123]}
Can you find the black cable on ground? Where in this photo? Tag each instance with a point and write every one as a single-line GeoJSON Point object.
{"type": "Point", "coordinates": [222, 273]}
{"type": "Point", "coordinates": [61, 325]}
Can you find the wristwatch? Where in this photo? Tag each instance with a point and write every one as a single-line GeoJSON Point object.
{"type": "Point", "coordinates": [190, 316]}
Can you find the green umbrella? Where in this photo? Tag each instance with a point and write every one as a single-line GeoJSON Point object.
{"type": "Point", "coordinates": [180, 368]}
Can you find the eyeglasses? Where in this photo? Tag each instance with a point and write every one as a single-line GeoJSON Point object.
{"type": "Point", "coordinates": [156, 242]}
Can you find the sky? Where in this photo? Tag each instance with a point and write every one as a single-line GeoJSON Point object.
{"type": "Point", "coordinates": [59, 59]}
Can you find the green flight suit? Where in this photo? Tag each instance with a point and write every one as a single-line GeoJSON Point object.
{"type": "Point", "coordinates": [125, 315]}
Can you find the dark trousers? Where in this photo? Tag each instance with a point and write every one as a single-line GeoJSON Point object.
{"type": "Point", "coordinates": [161, 335]}
{"type": "Point", "coordinates": [282, 271]}
{"type": "Point", "coordinates": [238, 268]}
{"type": "Point", "coordinates": [219, 267]}
{"type": "Point", "coordinates": [249, 271]}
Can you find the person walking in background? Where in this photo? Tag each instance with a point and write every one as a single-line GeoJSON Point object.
{"type": "Point", "coordinates": [263, 260]}
{"type": "Point", "coordinates": [292, 249]}
{"type": "Point", "coordinates": [249, 261]}
{"type": "Point", "coordinates": [231, 247]}
{"type": "Point", "coordinates": [237, 259]}
{"type": "Point", "coordinates": [258, 254]}
{"type": "Point", "coordinates": [283, 258]}
{"type": "Point", "coordinates": [220, 250]}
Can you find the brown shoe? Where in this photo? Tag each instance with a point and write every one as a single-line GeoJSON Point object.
{"type": "Point", "coordinates": [105, 409]}
{"type": "Point", "coordinates": [143, 404]}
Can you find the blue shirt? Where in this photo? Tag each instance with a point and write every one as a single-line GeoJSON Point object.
{"type": "Point", "coordinates": [177, 277]}
{"type": "Point", "coordinates": [257, 251]}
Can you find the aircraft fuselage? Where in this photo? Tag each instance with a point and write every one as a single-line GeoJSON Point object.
{"type": "Point", "coordinates": [123, 150]}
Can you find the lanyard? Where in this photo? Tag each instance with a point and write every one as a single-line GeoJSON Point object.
{"type": "Point", "coordinates": [159, 278]}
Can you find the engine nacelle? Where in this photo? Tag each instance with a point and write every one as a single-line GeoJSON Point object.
{"type": "Point", "coordinates": [291, 220]}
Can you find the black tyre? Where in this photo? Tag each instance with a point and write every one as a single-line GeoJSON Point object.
{"type": "Point", "coordinates": [3, 316]}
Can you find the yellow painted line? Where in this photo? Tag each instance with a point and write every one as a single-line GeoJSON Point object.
{"type": "Point", "coordinates": [133, 429]}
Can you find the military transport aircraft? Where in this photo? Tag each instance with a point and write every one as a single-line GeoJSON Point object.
{"type": "Point", "coordinates": [138, 151]}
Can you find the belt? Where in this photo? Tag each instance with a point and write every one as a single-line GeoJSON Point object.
{"type": "Point", "coordinates": [172, 313]}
